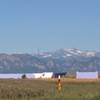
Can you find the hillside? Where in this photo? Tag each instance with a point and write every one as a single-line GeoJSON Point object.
{"type": "Point", "coordinates": [69, 60]}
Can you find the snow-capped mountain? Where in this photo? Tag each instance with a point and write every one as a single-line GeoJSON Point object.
{"type": "Point", "coordinates": [68, 53]}
{"type": "Point", "coordinates": [69, 60]}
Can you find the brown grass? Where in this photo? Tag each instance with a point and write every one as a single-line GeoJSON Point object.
{"type": "Point", "coordinates": [46, 89]}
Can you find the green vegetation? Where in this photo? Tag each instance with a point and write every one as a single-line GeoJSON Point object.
{"type": "Point", "coordinates": [46, 90]}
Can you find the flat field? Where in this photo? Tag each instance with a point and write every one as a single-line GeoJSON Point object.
{"type": "Point", "coordinates": [72, 89]}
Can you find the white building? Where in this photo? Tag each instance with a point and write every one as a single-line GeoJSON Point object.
{"type": "Point", "coordinates": [37, 75]}
{"type": "Point", "coordinates": [47, 75]}
{"type": "Point", "coordinates": [43, 75]}
{"type": "Point", "coordinates": [28, 75]}
{"type": "Point", "coordinates": [10, 76]}
{"type": "Point", "coordinates": [87, 75]}
{"type": "Point", "coordinates": [15, 76]}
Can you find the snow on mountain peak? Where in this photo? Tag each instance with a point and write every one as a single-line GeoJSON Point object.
{"type": "Point", "coordinates": [90, 53]}
{"type": "Point", "coordinates": [78, 52]}
{"type": "Point", "coordinates": [68, 53]}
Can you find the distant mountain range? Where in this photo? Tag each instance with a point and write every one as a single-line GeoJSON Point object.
{"type": "Point", "coordinates": [62, 60]}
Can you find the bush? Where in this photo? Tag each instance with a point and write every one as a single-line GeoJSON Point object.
{"type": "Point", "coordinates": [23, 76]}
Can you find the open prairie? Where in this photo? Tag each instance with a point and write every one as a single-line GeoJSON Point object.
{"type": "Point", "coordinates": [72, 89]}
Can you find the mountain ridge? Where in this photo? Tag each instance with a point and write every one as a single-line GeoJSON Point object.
{"type": "Point", "coordinates": [69, 60]}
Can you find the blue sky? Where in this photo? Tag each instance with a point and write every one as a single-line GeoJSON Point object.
{"type": "Point", "coordinates": [28, 25]}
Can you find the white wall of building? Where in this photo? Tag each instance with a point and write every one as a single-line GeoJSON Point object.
{"type": "Point", "coordinates": [87, 75]}
{"type": "Point", "coordinates": [12, 76]}
{"type": "Point", "coordinates": [15, 76]}
{"type": "Point", "coordinates": [43, 75]}
{"type": "Point", "coordinates": [28, 75]}
{"type": "Point", "coordinates": [47, 75]}
{"type": "Point", "coordinates": [37, 75]}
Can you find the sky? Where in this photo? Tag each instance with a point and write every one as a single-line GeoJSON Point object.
{"type": "Point", "coordinates": [47, 25]}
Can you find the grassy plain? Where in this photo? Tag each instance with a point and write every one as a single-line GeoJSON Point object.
{"type": "Point", "coordinates": [72, 89]}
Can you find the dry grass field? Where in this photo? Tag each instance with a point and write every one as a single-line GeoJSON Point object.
{"type": "Point", "coordinates": [72, 89]}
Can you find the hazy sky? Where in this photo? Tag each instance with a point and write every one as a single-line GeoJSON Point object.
{"type": "Point", "coordinates": [26, 25]}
